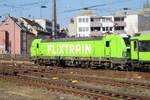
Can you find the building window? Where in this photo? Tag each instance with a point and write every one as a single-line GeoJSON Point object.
{"type": "Point", "coordinates": [119, 28]}
{"type": "Point", "coordinates": [72, 21]}
{"type": "Point", "coordinates": [87, 29]}
{"type": "Point", "coordinates": [83, 29]}
{"type": "Point", "coordinates": [119, 19]}
{"type": "Point", "coordinates": [110, 28]}
{"type": "Point", "coordinates": [104, 29]}
{"type": "Point", "coordinates": [107, 19]}
{"type": "Point", "coordinates": [107, 29]}
{"type": "Point", "coordinates": [87, 20]}
{"type": "Point", "coordinates": [80, 19]}
{"type": "Point", "coordinates": [95, 29]}
{"type": "Point", "coordinates": [84, 20]}
{"type": "Point", "coordinates": [116, 19]}
{"type": "Point", "coordinates": [80, 29]}
{"type": "Point", "coordinates": [122, 19]}
{"type": "Point", "coordinates": [103, 20]}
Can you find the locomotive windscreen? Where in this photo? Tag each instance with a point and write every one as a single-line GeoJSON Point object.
{"type": "Point", "coordinates": [127, 41]}
{"type": "Point", "coordinates": [144, 46]}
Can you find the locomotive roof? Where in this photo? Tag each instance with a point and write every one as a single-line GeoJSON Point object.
{"type": "Point", "coordinates": [72, 39]}
{"type": "Point", "coordinates": [141, 37]}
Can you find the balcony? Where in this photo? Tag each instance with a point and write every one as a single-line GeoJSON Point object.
{"type": "Point", "coordinates": [119, 23]}
{"type": "Point", "coordinates": [96, 24]}
{"type": "Point", "coordinates": [97, 33]}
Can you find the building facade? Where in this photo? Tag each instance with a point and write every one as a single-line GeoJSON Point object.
{"type": "Point", "coordinates": [90, 25]}
{"type": "Point", "coordinates": [119, 24]}
{"type": "Point", "coordinates": [72, 28]}
{"type": "Point", "coordinates": [46, 25]}
{"type": "Point", "coordinates": [83, 26]}
{"type": "Point", "coordinates": [35, 28]}
{"type": "Point", "coordinates": [14, 37]}
{"type": "Point", "coordinates": [128, 22]}
{"type": "Point", "coordinates": [101, 25]}
{"type": "Point", "coordinates": [123, 22]}
{"type": "Point", "coordinates": [32, 26]}
{"type": "Point", "coordinates": [4, 43]}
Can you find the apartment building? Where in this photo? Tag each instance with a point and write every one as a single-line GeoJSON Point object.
{"type": "Point", "coordinates": [130, 22]}
{"type": "Point", "coordinates": [87, 25]}
{"type": "Point", "coordinates": [100, 25]}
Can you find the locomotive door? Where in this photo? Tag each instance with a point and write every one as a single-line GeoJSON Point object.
{"type": "Point", "coordinates": [135, 53]}
{"type": "Point", "coordinates": [107, 49]}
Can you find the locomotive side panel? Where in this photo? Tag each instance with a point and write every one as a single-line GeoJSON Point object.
{"type": "Point", "coordinates": [92, 48]}
{"type": "Point", "coordinates": [140, 50]}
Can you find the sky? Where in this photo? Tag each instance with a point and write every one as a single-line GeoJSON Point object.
{"type": "Point", "coordinates": [32, 8]}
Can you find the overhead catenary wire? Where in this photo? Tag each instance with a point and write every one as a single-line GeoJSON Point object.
{"type": "Point", "coordinates": [94, 6]}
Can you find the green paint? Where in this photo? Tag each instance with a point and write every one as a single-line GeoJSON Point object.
{"type": "Point", "coordinates": [109, 46]}
{"type": "Point", "coordinates": [136, 53]}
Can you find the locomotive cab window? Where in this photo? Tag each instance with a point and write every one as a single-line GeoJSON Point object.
{"type": "Point", "coordinates": [37, 45]}
{"type": "Point", "coordinates": [144, 46]}
{"type": "Point", "coordinates": [107, 43]}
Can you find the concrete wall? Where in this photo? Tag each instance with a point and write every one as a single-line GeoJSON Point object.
{"type": "Point", "coordinates": [72, 28]}
{"type": "Point", "coordinates": [136, 23]}
{"type": "Point", "coordinates": [131, 24]}
{"type": "Point", "coordinates": [83, 25]}
{"type": "Point", "coordinates": [144, 23]}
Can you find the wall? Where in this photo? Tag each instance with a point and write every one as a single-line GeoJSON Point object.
{"type": "Point", "coordinates": [131, 24]}
{"type": "Point", "coordinates": [2, 42]}
{"type": "Point", "coordinates": [83, 25]}
{"type": "Point", "coordinates": [136, 23]}
{"type": "Point", "coordinates": [144, 23]}
{"type": "Point", "coordinates": [42, 23]}
{"type": "Point", "coordinates": [14, 35]}
{"type": "Point", "coordinates": [72, 28]}
{"type": "Point", "coordinates": [30, 38]}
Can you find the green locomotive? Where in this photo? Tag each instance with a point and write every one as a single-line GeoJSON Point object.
{"type": "Point", "coordinates": [140, 50]}
{"type": "Point", "coordinates": [109, 51]}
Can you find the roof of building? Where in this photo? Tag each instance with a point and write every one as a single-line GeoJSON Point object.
{"type": "Point", "coordinates": [18, 23]}
{"type": "Point", "coordinates": [32, 23]}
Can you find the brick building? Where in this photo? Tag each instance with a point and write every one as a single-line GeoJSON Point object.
{"type": "Point", "coordinates": [15, 39]}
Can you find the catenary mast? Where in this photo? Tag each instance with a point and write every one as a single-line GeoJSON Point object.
{"type": "Point", "coordinates": [54, 20]}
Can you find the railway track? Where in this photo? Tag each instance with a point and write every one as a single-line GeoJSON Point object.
{"type": "Point", "coordinates": [40, 77]}
{"type": "Point", "coordinates": [85, 78]}
{"type": "Point", "coordinates": [88, 78]}
{"type": "Point", "coordinates": [60, 86]}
